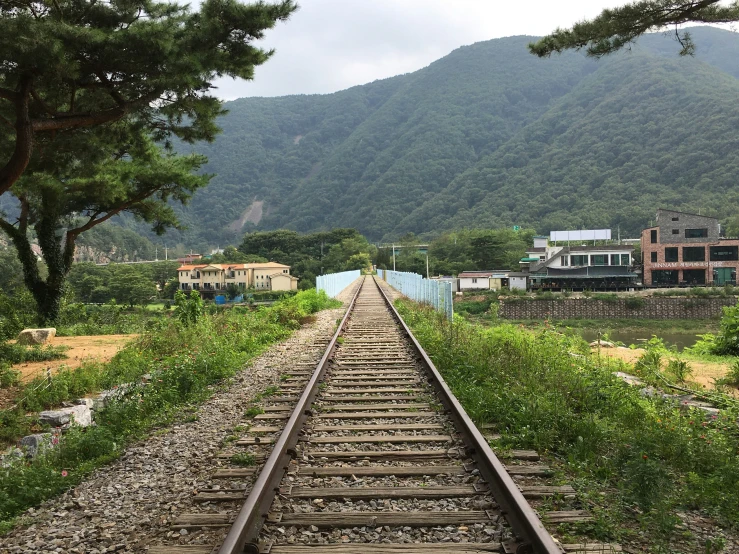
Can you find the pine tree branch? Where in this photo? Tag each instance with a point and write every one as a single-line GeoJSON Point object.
{"type": "Point", "coordinates": [7, 122]}
{"type": "Point", "coordinates": [44, 106]}
{"type": "Point", "coordinates": [615, 28]}
{"type": "Point", "coordinates": [18, 161]}
{"type": "Point", "coordinates": [118, 209]}
{"type": "Point", "coordinates": [8, 94]}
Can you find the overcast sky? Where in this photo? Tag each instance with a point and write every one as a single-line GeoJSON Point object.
{"type": "Point", "coordinates": [330, 45]}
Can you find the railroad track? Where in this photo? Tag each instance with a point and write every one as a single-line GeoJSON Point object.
{"type": "Point", "coordinates": [369, 452]}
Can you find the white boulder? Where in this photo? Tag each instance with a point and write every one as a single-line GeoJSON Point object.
{"type": "Point", "coordinates": [36, 336]}
{"type": "Point", "coordinates": [79, 415]}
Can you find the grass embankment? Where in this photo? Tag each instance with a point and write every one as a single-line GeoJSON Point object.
{"type": "Point", "coordinates": [182, 358]}
{"type": "Point", "coordinates": [635, 462]}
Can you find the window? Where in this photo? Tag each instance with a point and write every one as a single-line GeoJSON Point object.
{"type": "Point", "coordinates": [675, 219]}
{"type": "Point", "coordinates": [474, 280]}
{"type": "Point", "coordinates": [671, 254]}
{"type": "Point", "coordinates": [664, 277]}
{"type": "Point", "coordinates": [564, 260]}
{"type": "Point", "coordinates": [695, 233]}
{"type": "Point", "coordinates": [625, 259]}
{"type": "Point", "coordinates": [579, 260]}
{"type": "Point", "coordinates": [599, 259]}
{"type": "Point", "coordinates": [694, 254]}
{"type": "Point", "coordinates": [653, 234]}
{"type": "Point", "coordinates": [694, 276]}
{"type": "Point", "coordinates": [676, 231]}
{"type": "Point", "coordinates": [615, 259]}
{"type": "Point", "coordinates": [721, 253]}
{"type": "Point", "coordinates": [654, 257]}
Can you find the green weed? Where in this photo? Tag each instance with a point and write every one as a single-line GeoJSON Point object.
{"type": "Point", "coordinates": [253, 411]}
{"type": "Point", "coordinates": [243, 459]}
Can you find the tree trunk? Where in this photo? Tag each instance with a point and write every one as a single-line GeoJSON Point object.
{"type": "Point", "coordinates": [57, 253]}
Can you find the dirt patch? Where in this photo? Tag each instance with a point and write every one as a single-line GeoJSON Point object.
{"type": "Point", "coordinates": [99, 348]}
{"type": "Point", "coordinates": [703, 372]}
{"type": "Point", "coordinates": [252, 214]}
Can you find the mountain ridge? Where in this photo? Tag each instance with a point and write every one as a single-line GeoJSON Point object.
{"type": "Point", "coordinates": [407, 153]}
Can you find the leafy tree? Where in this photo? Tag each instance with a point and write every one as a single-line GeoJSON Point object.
{"type": "Point", "coordinates": [360, 260]}
{"type": "Point", "coordinates": [131, 174]}
{"type": "Point", "coordinates": [127, 286]}
{"type": "Point", "coordinates": [86, 98]}
{"type": "Point", "coordinates": [73, 65]}
{"type": "Point", "coordinates": [614, 28]}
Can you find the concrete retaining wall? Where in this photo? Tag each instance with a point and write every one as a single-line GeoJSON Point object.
{"type": "Point", "coordinates": [622, 308]}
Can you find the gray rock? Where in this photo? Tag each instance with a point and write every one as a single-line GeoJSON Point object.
{"type": "Point", "coordinates": [33, 445]}
{"type": "Point", "coordinates": [11, 457]}
{"type": "Point", "coordinates": [89, 402]}
{"type": "Point", "coordinates": [630, 379]}
{"type": "Point", "coordinates": [79, 415]}
{"type": "Point", "coordinates": [36, 336]}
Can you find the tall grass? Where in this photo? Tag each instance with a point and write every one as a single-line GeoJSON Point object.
{"type": "Point", "coordinates": [544, 391]}
{"type": "Point", "coordinates": [181, 363]}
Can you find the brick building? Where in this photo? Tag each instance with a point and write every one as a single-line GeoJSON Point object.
{"type": "Point", "coordinates": [687, 250]}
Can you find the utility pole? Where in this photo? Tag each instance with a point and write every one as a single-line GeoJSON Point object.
{"type": "Point", "coordinates": [393, 257]}
{"type": "Point", "coordinates": [427, 264]}
{"type": "Point", "coordinates": [165, 253]}
{"type": "Point", "coordinates": [156, 253]}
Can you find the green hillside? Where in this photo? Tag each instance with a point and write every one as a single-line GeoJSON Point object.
{"type": "Point", "coordinates": [488, 135]}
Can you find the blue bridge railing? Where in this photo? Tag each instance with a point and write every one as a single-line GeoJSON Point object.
{"type": "Point", "coordinates": [429, 291]}
{"type": "Point", "coordinates": [334, 283]}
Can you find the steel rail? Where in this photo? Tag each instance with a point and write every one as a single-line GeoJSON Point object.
{"type": "Point", "coordinates": [516, 509]}
{"type": "Point", "coordinates": [244, 533]}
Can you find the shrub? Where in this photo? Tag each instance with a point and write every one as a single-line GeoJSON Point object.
{"type": "Point", "coordinates": [679, 369]}
{"type": "Point", "coordinates": [732, 377]}
{"type": "Point", "coordinates": [18, 353]}
{"type": "Point", "coordinates": [8, 375]}
{"type": "Point", "coordinates": [188, 309]}
{"type": "Point", "coordinates": [727, 340]}
{"type": "Point", "coordinates": [634, 303]}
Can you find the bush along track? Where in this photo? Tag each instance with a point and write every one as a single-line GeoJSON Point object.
{"type": "Point", "coordinates": [648, 471]}
{"type": "Point", "coordinates": [181, 360]}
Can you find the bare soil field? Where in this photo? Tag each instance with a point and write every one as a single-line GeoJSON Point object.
{"type": "Point", "coordinates": [100, 348]}
{"type": "Point", "coordinates": [703, 372]}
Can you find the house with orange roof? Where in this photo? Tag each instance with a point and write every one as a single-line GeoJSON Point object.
{"type": "Point", "coordinates": [213, 279]}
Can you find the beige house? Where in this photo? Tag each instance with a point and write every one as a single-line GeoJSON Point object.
{"type": "Point", "coordinates": [283, 281]}
{"type": "Point", "coordinates": [212, 279]}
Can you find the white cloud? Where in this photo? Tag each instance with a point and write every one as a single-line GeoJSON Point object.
{"type": "Point", "coordinates": [330, 45]}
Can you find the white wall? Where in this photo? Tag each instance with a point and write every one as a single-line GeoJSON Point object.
{"type": "Point", "coordinates": [517, 283]}
{"type": "Point", "coordinates": [466, 283]}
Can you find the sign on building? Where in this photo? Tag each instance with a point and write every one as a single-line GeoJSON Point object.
{"type": "Point", "coordinates": [590, 234]}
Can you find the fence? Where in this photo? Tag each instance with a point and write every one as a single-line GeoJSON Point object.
{"type": "Point", "coordinates": [334, 283]}
{"type": "Point", "coordinates": [430, 291]}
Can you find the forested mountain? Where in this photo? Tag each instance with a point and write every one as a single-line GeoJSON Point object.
{"type": "Point", "coordinates": [486, 136]}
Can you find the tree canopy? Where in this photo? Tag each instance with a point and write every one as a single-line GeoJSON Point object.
{"type": "Point", "coordinates": [615, 28]}
{"type": "Point", "coordinates": [72, 65]}
{"type": "Point", "coordinates": [89, 91]}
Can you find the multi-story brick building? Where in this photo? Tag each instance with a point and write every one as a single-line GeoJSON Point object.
{"type": "Point", "coordinates": [687, 250]}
